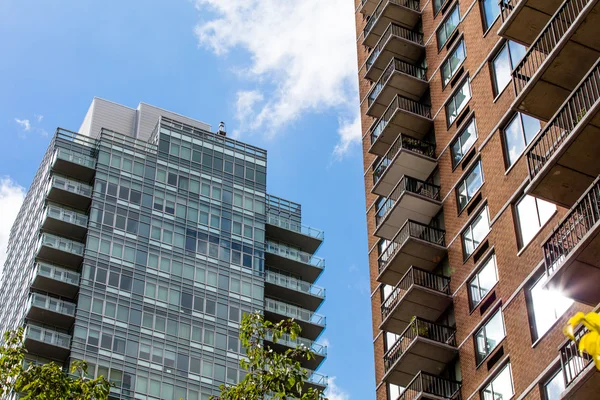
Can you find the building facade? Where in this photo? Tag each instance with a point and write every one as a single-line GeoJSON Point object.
{"type": "Point", "coordinates": [141, 242]}
{"type": "Point", "coordinates": [480, 168]}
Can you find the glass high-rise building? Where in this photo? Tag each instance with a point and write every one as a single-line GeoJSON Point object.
{"type": "Point", "coordinates": [141, 242]}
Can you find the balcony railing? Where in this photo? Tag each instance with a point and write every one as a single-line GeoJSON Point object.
{"type": "Point", "coordinates": [294, 254]}
{"type": "Point", "coordinates": [539, 51]}
{"type": "Point", "coordinates": [393, 30]}
{"type": "Point", "coordinates": [433, 385]}
{"type": "Point", "coordinates": [70, 216]}
{"type": "Point", "coordinates": [317, 378]}
{"type": "Point", "coordinates": [52, 304]}
{"type": "Point", "coordinates": [57, 273]}
{"type": "Point", "coordinates": [75, 137]}
{"type": "Point", "coordinates": [71, 186]}
{"type": "Point", "coordinates": [75, 157]}
{"type": "Point", "coordinates": [580, 220]}
{"type": "Point", "coordinates": [294, 284]}
{"type": "Point", "coordinates": [564, 122]}
{"type": "Point", "coordinates": [573, 362]}
{"type": "Point", "coordinates": [507, 7]}
{"type": "Point", "coordinates": [294, 312]}
{"type": "Point", "coordinates": [406, 184]}
{"type": "Point", "coordinates": [406, 143]}
{"type": "Point", "coordinates": [399, 103]}
{"type": "Point", "coordinates": [294, 226]}
{"type": "Point", "coordinates": [300, 341]}
{"type": "Point", "coordinates": [410, 229]}
{"type": "Point", "coordinates": [418, 328]}
{"type": "Point", "coordinates": [395, 65]}
{"type": "Point", "coordinates": [419, 277]}
{"type": "Point", "coordinates": [411, 4]}
{"type": "Point", "coordinates": [47, 336]}
{"type": "Point", "coordinates": [63, 244]}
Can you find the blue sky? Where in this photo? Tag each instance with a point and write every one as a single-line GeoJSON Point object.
{"type": "Point", "coordinates": [281, 74]}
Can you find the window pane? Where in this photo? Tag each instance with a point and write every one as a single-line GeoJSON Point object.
{"type": "Point", "coordinates": [481, 227]}
{"type": "Point", "coordinates": [458, 102]}
{"type": "Point", "coordinates": [448, 26]}
{"type": "Point", "coordinates": [470, 186]}
{"type": "Point", "coordinates": [489, 336]}
{"type": "Point", "coordinates": [502, 70]}
{"type": "Point", "coordinates": [547, 306]}
{"type": "Point", "coordinates": [502, 385]}
{"type": "Point", "coordinates": [491, 10]}
{"type": "Point", "coordinates": [555, 386]}
{"type": "Point", "coordinates": [517, 52]}
{"type": "Point", "coordinates": [531, 126]}
{"type": "Point", "coordinates": [546, 210]}
{"type": "Point", "coordinates": [454, 61]}
{"type": "Point", "coordinates": [513, 137]}
{"type": "Point", "coordinates": [484, 281]}
{"type": "Point", "coordinates": [528, 220]}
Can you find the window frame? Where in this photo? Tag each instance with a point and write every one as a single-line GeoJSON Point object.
{"type": "Point", "coordinates": [498, 310]}
{"type": "Point", "coordinates": [457, 138]}
{"type": "Point", "coordinates": [451, 98]}
{"type": "Point", "coordinates": [505, 142]}
{"type": "Point", "coordinates": [506, 46]}
{"type": "Point", "coordinates": [469, 227]}
{"type": "Point", "coordinates": [463, 182]}
{"type": "Point", "coordinates": [544, 384]}
{"type": "Point", "coordinates": [494, 377]}
{"type": "Point", "coordinates": [479, 269]}
{"type": "Point", "coordinates": [436, 12]}
{"type": "Point", "coordinates": [449, 57]}
{"type": "Point", "coordinates": [521, 243]}
{"type": "Point", "coordinates": [442, 25]}
{"type": "Point", "coordinates": [487, 27]}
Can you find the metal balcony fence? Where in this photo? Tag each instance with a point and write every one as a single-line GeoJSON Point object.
{"type": "Point", "coordinates": [294, 254]}
{"type": "Point", "coordinates": [430, 384]}
{"type": "Point", "coordinates": [290, 225]}
{"type": "Point", "coordinates": [573, 362]}
{"type": "Point", "coordinates": [395, 65]}
{"type": "Point", "coordinates": [393, 30]}
{"type": "Point", "coordinates": [403, 104]}
{"type": "Point", "coordinates": [411, 4]}
{"type": "Point", "coordinates": [402, 142]}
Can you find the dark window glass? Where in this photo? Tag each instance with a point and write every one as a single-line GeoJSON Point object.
{"type": "Point", "coordinates": [112, 189]}
{"type": "Point", "coordinates": [210, 307]}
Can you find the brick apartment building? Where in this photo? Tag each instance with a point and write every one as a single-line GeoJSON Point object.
{"type": "Point", "coordinates": [478, 123]}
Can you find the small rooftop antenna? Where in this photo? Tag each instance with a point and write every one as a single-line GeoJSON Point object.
{"type": "Point", "coordinates": [222, 130]}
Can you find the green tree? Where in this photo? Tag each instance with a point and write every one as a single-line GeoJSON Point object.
{"type": "Point", "coordinates": [278, 375]}
{"type": "Point", "coordinates": [44, 382]}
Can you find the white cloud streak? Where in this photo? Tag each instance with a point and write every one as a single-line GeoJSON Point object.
{"type": "Point", "coordinates": [302, 60]}
{"type": "Point", "coordinates": [11, 198]}
{"type": "Point", "coordinates": [25, 124]}
{"type": "Point", "coordinates": [334, 392]}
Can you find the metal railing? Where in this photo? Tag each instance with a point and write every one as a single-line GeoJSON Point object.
{"type": "Point", "coordinates": [507, 7]}
{"type": "Point", "coordinates": [411, 4]}
{"type": "Point", "coordinates": [57, 273]}
{"type": "Point", "coordinates": [316, 378]}
{"type": "Point", "coordinates": [573, 228]}
{"type": "Point", "coordinates": [545, 43]}
{"type": "Point", "coordinates": [52, 304]}
{"type": "Point", "coordinates": [292, 311]}
{"type": "Point", "coordinates": [414, 276]}
{"type": "Point", "coordinates": [395, 65]}
{"type": "Point", "coordinates": [76, 138]}
{"type": "Point", "coordinates": [410, 229]}
{"type": "Point", "coordinates": [282, 250]}
{"type": "Point", "coordinates": [48, 336]}
{"type": "Point", "coordinates": [57, 242]}
{"type": "Point", "coordinates": [430, 384]}
{"type": "Point", "coordinates": [74, 157]}
{"type": "Point", "coordinates": [290, 282]}
{"type": "Point", "coordinates": [290, 225]}
{"type": "Point", "coordinates": [573, 362]}
{"type": "Point", "coordinates": [557, 130]}
{"type": "Point", "coordinates": [300, 341]}
{"type": "Point", "coordinates": [406, 184]}
{"type": "Point", "coordinates": [399, 103]}
{"type": "Point", "coordinates": [69, 185]}
{"type": "Point", "coordinates": [418, 328]}
{"type": "Point", "coordinates": [393, 30]}
{"type": "Point", "coordinates": [406, 143]}
{"type": "Point", "coordinates": [70, 216]}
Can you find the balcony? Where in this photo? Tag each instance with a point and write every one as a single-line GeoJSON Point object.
{"type": "Point", "coordinates": [70, 193]}
{"type": "Point", "coordinates": [294, 290]}
{"type": "Point", "coordinates": [571, 252]}
{"type": "Point", "coordinates": [523, 20]}
{"type": "Point", "coordinates": [547, 75]}
{"type": "Point", "coordinates": [304, 237]}
{"type": "Point", "coordinates": [312, 324]}
{"type": "Point", "coordinates": [429, 387]}
{"type": "Point", "coordinates": [396, 42]}
{"type": "Point", "coordinates": [563, 159]}
{"type": "Point", "coordinates": [47, 343]}
{"type": "Point", "coordinates": [401, 78]}
{"type": "Point", "coordinates": [286, 343]}
{"type": "Point", "coordinates": [406, 156]}
{"type": "Point", "coordinates": [410, 199]}
{"type": "Point", "coordinates": [73, 164]}
{"type": "Point", "coordinates": [402, 12]}
{"type": "Point", "coordinates": [402, 115]}
{"type": "Point", "coordinates": [578, 370]}
{"type": "Point", "coordinates": [316, 381]}
{"type": "Point", "coordinates": [294, 261]}
{"type": "Point", "coordinates": [415, 244]}
{"type": "Point", "coordinates": [56, 280]}
{"type": "Point", "coordinates": [423, 346]}
{"type": "Point", "coordinates": [50, 311]}
{"type": "Point", "coordinates": [60, 251]}
{"type": "Point", "coordinates": [419, 293]}
{"type": "Point", "coordinates": [64, 222]}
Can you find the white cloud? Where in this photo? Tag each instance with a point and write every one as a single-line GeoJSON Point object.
{"type": "Point", "coordinates": [11, 198]}
{"type": "Point", "coordinates": [25, 124]}
{"type": "Point", "coordinates": [350, 132]}
{"type": "Point", "coordinates": [302, 59]}
{"type": "Point", "coordinates": [39, 118]}
{"type": "Point", "coordinates": [334, 392]}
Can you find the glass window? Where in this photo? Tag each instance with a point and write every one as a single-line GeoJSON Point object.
{"type": "Point", "coordinates": [501, 387]}
{"type": "Point", "coordinates": [518, 134]}
{"type": "Point", "coordinates": [532, 214]}
{"type": "Point", "coordinates": [469, 185]}
{"type": "Point", "coordinates": [504, 62]}
{"type": "Point", "coordinates": [545, 306]}
{"type": "Point", "coordinates": [481, 284]}
{"type": "Point", "coordinates": [476, 232]}
{"type": "Point", "coordinates": [458, 101]}
{"type": "Point", "coordinates": [448, 27]}
{"type": "Point", "coordinates": [491, 11]}
{"type": "Point", "coordinates": [437, 6]}
{"type": "Point", "coordinates": [453, 62]}
{"type": "Point", "coordinates": [554, 386]}
{"type": "Point", "coordinates": [489, 336]}
{"type": "Point", "coordinates": [462, 144]}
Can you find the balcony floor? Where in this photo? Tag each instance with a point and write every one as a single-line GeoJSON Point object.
{"type": "Point", "coordinates": [527, 20]}
{"type": "Point", "coordinates": [398, 83]}
{"type": "Point", "coordinates": [54, 286]}
{"type": "Point", "coordinates": [417, 252]}
{"type": "Point", "coordinates": [305, 272]}
{"type": "Point", "coordinates": [404, 49]}
{"type": "Point", "coordinates": [297, 297]}
{"type": "Point", "coordinates": [309, 331]}
{"type": "Point", "coordinates": [73, 170]}
{"type": "Point", "coordinates": [392, 13]}
{"type": "Point", "coordinates": [64, 229]}
{"type": "Point", "coordinates": [585, 387]}
{"type": "Point", "coordinates": [409, 206]}
{"type": "Point", "coordinates": [408, 163]}
{"type": "Point", "coordinates": [60, 257]}
{"type": "Point", "coordinates": [306, 243]}
{"type": "Point", "coordinates": [69, 199]}
{"type": "Point", "coordinates": [402, 121]}
{"type": "Point", "coordinates": [49, 317]}
{"type": "Point", "coordinates": [46, 350]}
{"type": "Point", "coordinates": [311, 364]}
